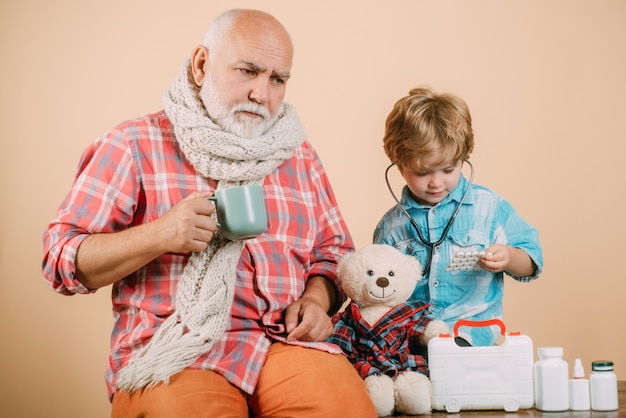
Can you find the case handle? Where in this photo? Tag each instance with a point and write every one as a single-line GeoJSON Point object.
{"type": "Point", "coordinates": [486, 323]}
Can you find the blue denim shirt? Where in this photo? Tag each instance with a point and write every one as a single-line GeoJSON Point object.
{"type": "Point", "coordinates": [485, 218]}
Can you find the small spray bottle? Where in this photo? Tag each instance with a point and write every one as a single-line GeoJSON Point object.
{"type": "Point", "coordinates": [579, 394]}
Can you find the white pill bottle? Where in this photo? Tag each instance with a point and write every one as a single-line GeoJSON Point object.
{"type": "Point", "coordinates": [603, 385]}
{"type": "Point", "coordinates": [551, 380]}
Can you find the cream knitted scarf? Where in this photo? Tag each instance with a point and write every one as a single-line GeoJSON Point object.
{"type": "Point", "coordinates": [205, 290]}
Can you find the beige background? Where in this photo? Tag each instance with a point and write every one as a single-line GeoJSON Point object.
{"type": "Point", "coordinates": [545, 81]}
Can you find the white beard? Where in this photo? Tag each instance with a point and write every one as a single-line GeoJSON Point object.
{"type": "Point", "coordinates": [234, 120]}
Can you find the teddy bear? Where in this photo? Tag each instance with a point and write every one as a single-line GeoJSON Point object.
{"type": "Point", "coordinates": [382, 333]}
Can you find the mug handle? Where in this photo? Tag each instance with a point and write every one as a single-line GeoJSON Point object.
{"type": "Point", "coordinates": [214, 199]}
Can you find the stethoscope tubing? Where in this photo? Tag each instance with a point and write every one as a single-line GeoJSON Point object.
{"type": "Point", "coordinates": [430, 244]}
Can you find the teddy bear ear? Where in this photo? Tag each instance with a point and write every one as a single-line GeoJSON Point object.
{"type": "Point", "coordinates": [341, 265]}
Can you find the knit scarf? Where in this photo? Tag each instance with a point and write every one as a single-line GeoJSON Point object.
{"type": "Point", "coordinates": [205, 289]}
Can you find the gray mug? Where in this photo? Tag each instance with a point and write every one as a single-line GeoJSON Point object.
{"type": "Point", "coordinates": [240, 211]}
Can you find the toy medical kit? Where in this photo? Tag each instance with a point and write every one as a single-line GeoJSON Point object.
{"type": "Point", "coordinates": [472, 378]}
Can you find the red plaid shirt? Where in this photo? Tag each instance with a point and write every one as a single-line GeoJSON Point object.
{"type": "Point", "coordinates": [134, 174]}
{"type": "Point", "coordinates": [390, 346]}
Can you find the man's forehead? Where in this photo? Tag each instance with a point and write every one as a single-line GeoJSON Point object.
{"type": "Point", "coordinates": [267, 48]}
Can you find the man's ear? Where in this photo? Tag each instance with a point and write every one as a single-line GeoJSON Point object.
{"type": "Point", "coordinates": [199, 58]}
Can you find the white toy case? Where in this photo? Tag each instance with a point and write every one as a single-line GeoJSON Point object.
{"type": "Point", "coordinates": [483, 378]}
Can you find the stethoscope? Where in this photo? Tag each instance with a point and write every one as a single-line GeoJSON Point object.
{"type": "Point", "coordinates": [431, 245]}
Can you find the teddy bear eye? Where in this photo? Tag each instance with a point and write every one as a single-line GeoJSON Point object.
{"type": "Point", "coordinates": [370, 273]}
{"type": "Point", "coordinates": [391, 273]}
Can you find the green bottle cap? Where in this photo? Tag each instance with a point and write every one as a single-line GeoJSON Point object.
{"type": "Point", "coordinates": [602, 366]}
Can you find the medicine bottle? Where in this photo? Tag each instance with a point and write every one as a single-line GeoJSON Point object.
{"type": "Point", "coordinates": [551, 380]}
{"type": "Point", "coordinates": [603, 384]}
{"type": "Point", "coordinates": [579, 388]}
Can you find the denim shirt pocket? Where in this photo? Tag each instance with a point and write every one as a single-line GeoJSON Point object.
{"type": "Point", "coordinates": [469, 241]}
{"type": "Point", "coordinates": [414, 249]}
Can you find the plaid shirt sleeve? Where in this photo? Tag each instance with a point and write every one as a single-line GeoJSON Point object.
{"type": "Point", "coordinates": [102, 199]}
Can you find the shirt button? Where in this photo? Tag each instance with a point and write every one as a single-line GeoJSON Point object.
{"type": "Point", "coordinates": [435, 283]}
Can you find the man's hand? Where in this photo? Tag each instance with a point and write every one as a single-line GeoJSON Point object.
{"type": "Point", "coordinates": [188, 226]}
{"type": "Point", "coordinates": [103, 259]}
{"type": "Point", "coordinates": [307, 318]}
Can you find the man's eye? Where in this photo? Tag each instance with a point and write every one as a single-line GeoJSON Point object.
{"type": "Point", "coordinates": [246, 71]}
{"type": "Point", "coordinates": [278, 80]}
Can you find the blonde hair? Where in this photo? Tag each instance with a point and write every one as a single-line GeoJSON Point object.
{"type": "Point", "coordinates": [424, 123]}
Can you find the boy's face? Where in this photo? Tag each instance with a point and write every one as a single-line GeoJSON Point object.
{"type": "Point", "coordinates": [431, 183]}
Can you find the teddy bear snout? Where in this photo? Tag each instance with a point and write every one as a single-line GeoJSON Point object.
{"type": "Point", "coordinates": [382, 282]}
{"type": "Point", "coordinates": [381, 288]}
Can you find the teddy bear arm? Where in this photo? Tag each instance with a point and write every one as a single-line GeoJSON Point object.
{"type": "Point", "coordinates": [343, 336]}
{"type": "Point", "coordinates": [425, 329]}
{"type": "Point", "coordinates": [434, 329]}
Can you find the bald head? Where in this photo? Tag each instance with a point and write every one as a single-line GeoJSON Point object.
{"type": "Point", "coordinates": [245, 22]}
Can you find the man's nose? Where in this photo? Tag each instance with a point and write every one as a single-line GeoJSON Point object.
{"type": "Point", "coordinates": [260, 90]}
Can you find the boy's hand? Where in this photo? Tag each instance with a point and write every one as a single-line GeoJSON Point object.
{"type": "Point", "coordinates": [501, 257]}
{"type": "Point", "coordinates": [495, 258]}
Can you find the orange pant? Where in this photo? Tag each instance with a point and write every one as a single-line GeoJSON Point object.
{"type": "Point", "coordinates": [294, 382]}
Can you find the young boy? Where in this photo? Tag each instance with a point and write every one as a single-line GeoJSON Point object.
{"type": "Point", "coordinates": [441, 214]}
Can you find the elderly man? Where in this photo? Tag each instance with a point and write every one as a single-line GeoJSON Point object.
{"type": "Point", "coordinates": [205, 326]}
